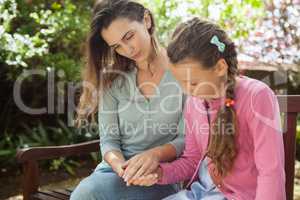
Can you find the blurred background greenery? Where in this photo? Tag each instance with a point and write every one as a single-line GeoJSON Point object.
{"type": "Point", "coordinates": [49, 35]}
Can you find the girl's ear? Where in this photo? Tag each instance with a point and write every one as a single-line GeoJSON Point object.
{"type": "Point", "coordinates": [147, 19]}
{"type": "Point", "coordinates": [221, 68]}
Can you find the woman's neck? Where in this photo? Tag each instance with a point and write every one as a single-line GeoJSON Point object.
{"type": "Point", "coordinates": [154, 59]}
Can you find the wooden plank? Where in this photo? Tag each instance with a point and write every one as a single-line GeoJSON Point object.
{"type": "Point", "coordinates": [70, 190]}
{"type": "Point", "coordinates": [289, 139]}
{"type": "Point", "coordinates": [63, 192]}
{"type": "Point", "coordinates": [30, 179]}
{"type": "Point", "coordinates": [289, 103]}
{"type": "Point", "coordinates": [42, 196]}
{"type": "Point", "coordinates": [49, 152]}
{"type": "Point", "coordinates": [56, 195]}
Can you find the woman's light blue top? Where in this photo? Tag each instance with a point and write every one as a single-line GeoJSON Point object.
{"type": "Point", "coordinates": [130, 123]}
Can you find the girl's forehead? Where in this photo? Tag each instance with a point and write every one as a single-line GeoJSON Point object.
{"type": "Point", "coordinates": [192, 66]}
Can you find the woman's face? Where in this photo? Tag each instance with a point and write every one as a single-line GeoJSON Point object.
{"type": "Point", "coordinates": [129, 38]}
{"type": "Point", "coordinates": [196, 80]}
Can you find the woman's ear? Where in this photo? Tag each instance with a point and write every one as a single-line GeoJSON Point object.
{"type": "Point", "coordinates": [221, 68]}
{"type": "Point", "coordinates": [147, 19]}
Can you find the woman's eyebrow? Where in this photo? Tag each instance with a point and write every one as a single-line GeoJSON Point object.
{"type": "Point", "coordinates": [113, 45]}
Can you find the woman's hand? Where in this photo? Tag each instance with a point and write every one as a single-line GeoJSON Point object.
{"type": "Point", "coordinates": [117, 166]}
{"type": "Point", "coordinates": [142, 164]}
{"type": "Point", "coordinates": [149, 179]}
{"type": "Point", "coordinates": [116, 160]}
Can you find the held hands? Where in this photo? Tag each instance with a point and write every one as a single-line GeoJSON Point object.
{"type": "Point", "coordinates": [147, 180]}
{"type": "Point", "coordinates": [140, 169]}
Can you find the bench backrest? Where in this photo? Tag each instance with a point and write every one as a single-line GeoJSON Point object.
{"type": "Point", "coordinates": [290, 107]}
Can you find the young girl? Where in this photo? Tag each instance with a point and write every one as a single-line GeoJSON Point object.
{"type": "Point", "coordinates": [140, 103]}
{"type": "Point", "coordinates": [233, 145]}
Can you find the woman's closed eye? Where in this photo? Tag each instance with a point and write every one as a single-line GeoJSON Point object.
{"type": "Point", "coordinates": [115, 48]}
{"type": "Point", "coordinates": [129, 36]}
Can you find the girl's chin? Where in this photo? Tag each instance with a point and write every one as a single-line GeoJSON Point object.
{"type": "Point", "coordinates": [205, 96]}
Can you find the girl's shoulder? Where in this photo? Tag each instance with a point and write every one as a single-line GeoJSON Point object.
{"type": "Point", "coordinates": [248, 86]}
{"type": "Point", "coordinates": [253, 94]}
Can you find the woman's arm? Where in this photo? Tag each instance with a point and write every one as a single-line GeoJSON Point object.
{"type": "Point", "coordinates": [109, 132]}
{"type": "Point", "coordinates": [177, 143]}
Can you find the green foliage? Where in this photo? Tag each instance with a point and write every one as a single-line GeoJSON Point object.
{"type": "Point", "coordinates": [162, 10]}
{"type": "Point", "coordinates": [33, 30]}
{"type": "Point", "coordinates": [16, 47]}
{"type": "Point", "coordinates": [7, 148]}
{"type": "Point", "coordinates": [53, 136]}
{"type": "Point", "coordinates": [45, 136]}
{"type": "Point", "coordinates": [237, 17]}
{"type": "Point", "coordinates": [64, 163]}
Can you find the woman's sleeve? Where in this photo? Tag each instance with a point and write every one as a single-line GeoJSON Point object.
{"type": "Point", "coordinates": [178, 142]}
{"type": "Point", "coordinates": [265, 126]}
{"type": "Point", "coordinates": [108, 123]}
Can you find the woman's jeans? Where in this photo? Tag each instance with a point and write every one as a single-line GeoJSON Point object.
{"type": "Point", "coordinates": [105, 184]}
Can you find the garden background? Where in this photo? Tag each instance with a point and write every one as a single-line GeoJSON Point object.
{"type": "Point", "coordinates": [48, 36]}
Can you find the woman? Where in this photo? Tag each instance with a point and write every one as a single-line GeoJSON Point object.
{"type": "Point", "coordinates": [140, 104]}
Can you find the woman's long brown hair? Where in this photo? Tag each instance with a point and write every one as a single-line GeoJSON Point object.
{"type": "Point", "coordinates": [100, 58]}
{"type": "Point", "coordinates": [191, 39]}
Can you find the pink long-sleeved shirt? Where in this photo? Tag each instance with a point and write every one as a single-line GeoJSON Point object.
{"type": "Point", "coordinates": [258, 170]}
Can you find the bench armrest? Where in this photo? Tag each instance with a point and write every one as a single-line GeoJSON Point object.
{"type": "Point", "coordinates": [49, 152]}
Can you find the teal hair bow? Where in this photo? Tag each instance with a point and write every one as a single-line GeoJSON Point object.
{"type": "Point", "coordinates": [215, 40]}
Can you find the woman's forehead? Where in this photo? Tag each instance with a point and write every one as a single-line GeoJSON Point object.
{"type": "Point", "coordinates": [117, 30]}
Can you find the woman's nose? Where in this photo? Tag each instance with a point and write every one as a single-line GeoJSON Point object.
{"type": "Point", "coordinates": [129, 50]}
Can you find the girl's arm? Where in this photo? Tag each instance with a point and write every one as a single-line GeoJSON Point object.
{"type": "Point", "coordinates": [265, 126]}
{"type": "Point", "coordinates": [184, 167]}
{"type": "Point", "coordinates": [147, 161]}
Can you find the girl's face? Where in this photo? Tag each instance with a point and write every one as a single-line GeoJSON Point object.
{"type": "Point", "coordinates": [196, 80]}
{"type": "Point", "coordinates": [129, 38]}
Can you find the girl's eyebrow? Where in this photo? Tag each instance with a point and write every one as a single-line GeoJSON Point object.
{"type": "Point", "coordinates": [114, 45]}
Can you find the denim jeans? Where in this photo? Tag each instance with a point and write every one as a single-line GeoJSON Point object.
{"type": "Point", "coordinates": [105, 184]}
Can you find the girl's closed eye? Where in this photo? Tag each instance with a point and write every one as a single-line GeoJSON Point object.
{"type": "Point", "coordinates": [194, 83]}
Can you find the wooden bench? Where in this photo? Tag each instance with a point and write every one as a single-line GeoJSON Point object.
{"type": "Point", "coordinates": [29, 157]}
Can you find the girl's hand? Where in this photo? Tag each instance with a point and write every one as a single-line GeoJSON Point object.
{"type": "Point", "coordinates": [141, 165]}
{"type": "Point", "coordinates": [147, 180]}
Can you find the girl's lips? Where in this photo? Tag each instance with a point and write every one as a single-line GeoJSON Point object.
{"type": "Point", "coordinates": [136, 56]}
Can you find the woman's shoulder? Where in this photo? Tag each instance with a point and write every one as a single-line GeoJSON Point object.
{"type": "Point", "coordinates": [123, 84]}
